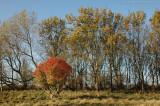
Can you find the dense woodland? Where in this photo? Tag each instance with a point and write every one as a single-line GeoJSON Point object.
{"type": "Point", "coordinates": [106, 50]}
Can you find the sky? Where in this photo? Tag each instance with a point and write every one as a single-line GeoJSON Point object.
{"type": "Point", "coordinates": [47, 8]}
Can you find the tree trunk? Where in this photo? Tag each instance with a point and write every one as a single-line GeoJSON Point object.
{"type": "Point", "coordinates": [142, 82]}
{"type": "Point", "coordinates": [1, 82]}
{"type": "Point", "coordinates": [24, 85]}
{"type": "Point", "coordinates": [111, 85]}
{"type": "Point", "coordinates": [81, 84]}
{"type": "Point", "coordinates": [1, 78]}
{"type": "Point", "coordinates": [157, 77]}
{"type": "Point", "coordinates": [117, 83]}
{"type": "Point", "coordinates": [152, 80]}
{"type": "Point", "coordinates": [96, 85]}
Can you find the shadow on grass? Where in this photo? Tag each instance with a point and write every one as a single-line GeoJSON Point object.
{"type": "Point", "coordinates": [88, 104]}
{"type": "Point", "coordinates": [95, 97]}
{"type": "Point", "coordinates": [129, 92]}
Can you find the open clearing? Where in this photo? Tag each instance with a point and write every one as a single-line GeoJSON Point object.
{"type": "Point", "coordinates": [35, 97]}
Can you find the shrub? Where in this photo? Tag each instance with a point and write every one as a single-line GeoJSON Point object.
{"type": "Point", "coordinates": [52, 74]}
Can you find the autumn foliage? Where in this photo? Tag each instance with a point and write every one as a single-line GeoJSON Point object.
{"type": "Point", "coordinates": [52, 72]}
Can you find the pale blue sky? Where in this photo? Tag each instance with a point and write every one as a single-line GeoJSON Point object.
{"type": "Point", "coordinates": [48, 8]}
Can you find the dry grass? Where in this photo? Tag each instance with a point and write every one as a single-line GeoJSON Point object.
{"type": "Point", "coordinates": [37, 98]}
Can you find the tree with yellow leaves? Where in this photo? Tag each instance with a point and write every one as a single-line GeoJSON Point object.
{"type": "Point", "coordinates": [153, 47]}
{"type": "Point", "coordinates": [85, 35]}
{"type": "Point", "coordinates": [137, 28]}
{"type": "Point", "coordinates": [52, 32]}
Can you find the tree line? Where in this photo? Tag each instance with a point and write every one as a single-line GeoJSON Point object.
{"type": "Point", "coordinates": [106, 50]}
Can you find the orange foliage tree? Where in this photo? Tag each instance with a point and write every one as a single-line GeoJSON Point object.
{"type": "Point", "coordinates": [52, 74]}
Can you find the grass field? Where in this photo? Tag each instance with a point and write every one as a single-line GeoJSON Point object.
{"type": "Point", "coordinates": [35, 97]}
